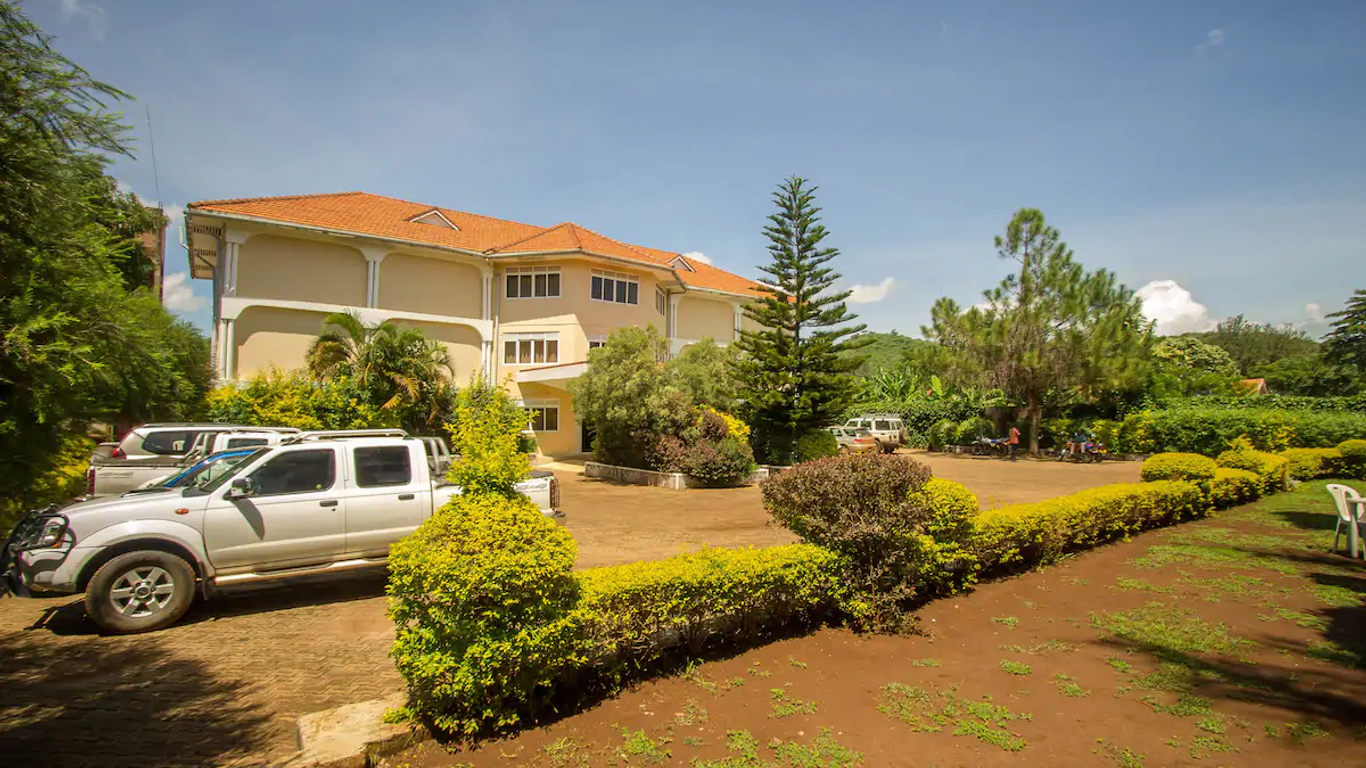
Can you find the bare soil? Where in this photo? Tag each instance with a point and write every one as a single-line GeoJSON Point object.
{"type": "Point", "coordinates": [1233, 641]}
{"type": "Point", "coordinates": [616, 524]}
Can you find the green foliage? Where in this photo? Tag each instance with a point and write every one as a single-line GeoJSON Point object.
{"type": "Point", "coordinates": [1178, 466]}
{"type": "Point", "coordinates": [886, 352]}
{"type": "Point", "coordinates": [1184, 366]}
{"type": "Point", "coordinates": [1232, 487]}
{"type": "Point", "coordinates": [868, 509]}
{"type": "Point", "coordinates": [1353, 454]}
{"type": "Point", "coordinates": [62, 482]}
{"type": "Point", "coordinates": [82, 341]}
{"type": "Point", "coordinates": [1209, 430]}
{"type": "Point", "coordinates": [1272, 471]}
{"type": "Point", "coordinates": [1017, 668]}
{"type": "Point", "coordinates": [1312, 374]}
{"type": "Point", "coordinates": [486, 439]}
{"type": "Point", "coordinates": [969, 430]}
{"type": "Point", "coordinates": [481, 596]}
{"type": "Point", "coordinates": [708, 452]}
{"type": "Point", "coordinates": [1050, 336]}
{"type": "Point", "coordinates": [943, 434]}
{"type": "Point", "coordinates": [1346, 343]}
{"type": "Point", "coordinates": [1254, 344]}
{"type": "Point", "coordinates": [946, 560]}
{"type": "Point", "coordinates": [1029, 534]}
{"type": "Point", "coordinates": [929, 712]}
{"type": "Point", "coordinates": [628, 397]}
{"type": "Point", "coordinates": [1314, 463]}
{"type": "Point", "coordinates": [817, 444]}
{"type": "Point", "coordinates": [290, 399]}
{"type": "Point", "coordinates": [794, 372]}
{"type": "Point", "coordinates": [704, 372]}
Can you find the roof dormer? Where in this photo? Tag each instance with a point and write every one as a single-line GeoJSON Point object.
{"type": "Point", "coordinates": [681, 263]}
{"type": "Point", "coordinates": [434, 217]}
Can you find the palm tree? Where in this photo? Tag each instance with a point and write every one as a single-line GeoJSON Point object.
{"type": "Point", "coordinates": [395, 364]}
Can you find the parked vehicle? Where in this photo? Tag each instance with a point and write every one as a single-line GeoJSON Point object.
{"type": "Point", "coordinates": [854, 439]}
{"type": "Point", "coordinates": [990, 446]}
{"type": "Point", "coordinates": [314, 503]}
{"type": "Point", "coordinates": [150, 441]}
{"type": "Point", "coordinates": [1082, 448]}
{"type": "Point", "coordinates": [113, 476]}
{"type": "Point", "coordinates": [199, 473]}
{"type": "Point", "coordinates": [887, 429]}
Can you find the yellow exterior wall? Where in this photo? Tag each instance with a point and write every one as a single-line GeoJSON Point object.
{"type": "Point", "coordinates": [292, 269]}
{"type": "Point", "coordinates": [434, 286]}
{"type": "Point", "coordinates": [700, 317]}
{"type": "Point", "coordinates": [565, 440]}
{"type": "Point", "coordinates": [461, 342]}
{"type": "Point", "coordinates": [267, 336]}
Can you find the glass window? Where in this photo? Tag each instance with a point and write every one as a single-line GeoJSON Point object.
{"type": "Point", "coordinates": [597, 287]}
{"type": "Point", "coordinates": [533, 282]}
{"type": "Point", "coordinates": [296, 472]}
{"type": "Point", "coordinates": [379, 466]}
{"type": "Point", "coordinates": [881, 425]}
{"type": "Point", "coordinates": [510, 352]}
{"type": "Point", "coordinates": [524, 287]}
{"type": "Point", "coordinates": [597, 341]}
{"type": "Point", "coordinates": [552, 282]}
{"type": "Point", "coordinates": [531, 348]}
{"type": "Point", "coordinates": [240, 442]}
{"type": "Point", "coordinates": [544, 415]}
{"type": "Point", "coordinates": [169, 442]}
{"type": "Point", "coordinates": [661, 302]}
{"type": "Point", "coordinates": [615, 287]}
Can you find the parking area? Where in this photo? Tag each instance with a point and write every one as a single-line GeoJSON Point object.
{"type": "Point", "coordinates": [224, 686]}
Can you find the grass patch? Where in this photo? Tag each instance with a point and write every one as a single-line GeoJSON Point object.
{"type": "Point", "coordinates": [1120, 665]}
{"type": "Point", "coordinates": [1326, 650]}
{"type": "Point", "coordinates": [564, 753]}
{"type": "Point", "coordinates": [1124, 758]}
{"type": "Point", "coordinates": [1303, 732]}
{"type": "Point", "coordinates": [1186, 706]}
{"type": "Point", "coordinates": [1204, 746]}
{"type": "Point", "coordinates": [1068, 687]}
{"type": "Point", "coordinates": [1013, 667]}
{"type": "Point", "coordinates": [1167, 630]}
{"type": "Point", "coordinates": [795, 663]}
{"type": "Point", "coordinates": [929, 712]}
{"type": "Point", "coordinates": [1128, 584]}
{"type": "Point", "coordinates": [1009, 622]}
{"type": "Point", "coordinates": [1212, 557]}
{"type": "Point", "coordinates": [784, 706]}
{"type": "Point", "coordinates": [693, 713]}
{"type": "Point", "coordinates": [639, 746]}
{"type": "Point", "coordinates": [822, 752]}
{"type": "Point", "coordinates": [925, 663]}
{"type": "Point", "coordinates": [1336, 596]}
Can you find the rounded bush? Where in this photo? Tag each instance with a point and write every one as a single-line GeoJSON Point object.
{"type": "Point", "coordinates": [943, 434]}
{"type": "Point", "coordinates": [481, 595]}
{"type": "Point", "coordinates": [1178, 466]}
{"type": "Point", "coordinates": [1231, 487]}
{"type": "Point", "coordinates": [1353, 456]}
{"type": "Point", "coordinates": [970, 429]}
{"type": "Point", "coordinates": [1272, 470]}
{"type": "Point", "coordinates": [1314, 463]}
{"type": "Point", "coordinates": [814, 445]}
{"type": "Point", "coordinates": [947, 561]}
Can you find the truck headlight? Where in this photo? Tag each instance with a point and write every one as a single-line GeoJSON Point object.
{"type": "Point", "coordinates": [46, 535]}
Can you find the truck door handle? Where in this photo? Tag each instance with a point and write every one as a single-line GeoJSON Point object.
{"type": "Point", "coordinates": [328, 503]}
{"type": "Point", "coordinates": [406, 497]}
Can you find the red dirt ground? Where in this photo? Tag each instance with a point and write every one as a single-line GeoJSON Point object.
{"type": "Point", "coordinates": [1262, 574]}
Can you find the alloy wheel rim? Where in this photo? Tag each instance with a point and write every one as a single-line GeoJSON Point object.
{"type": "Point", "coordinates": [142, 591]}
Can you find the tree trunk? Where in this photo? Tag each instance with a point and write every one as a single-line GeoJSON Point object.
{"type": "Point", "coordinates": [1033, 426]}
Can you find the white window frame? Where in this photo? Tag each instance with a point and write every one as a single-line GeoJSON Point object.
{"type": "Point", "coordinates": [543, 337]}
{"type": "Point", "coordinates": [541, 407]}
{"type": "Point", "coordinates": [533, 272]}
{"type": "Point", "coordinates": [599, 340]}
{"type": "Point", "coordinates": [617, 277]}
{"type": "Point", "coordinates": [661, 302]}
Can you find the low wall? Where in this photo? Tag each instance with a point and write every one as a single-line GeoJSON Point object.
{"type": "Point", "coordinates": [674, 480]}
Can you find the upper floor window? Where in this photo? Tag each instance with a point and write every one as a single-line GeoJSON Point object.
{"type": "Point", "coordinates": [661, 302]}
{"type": "Point", "coordinates": [531, 348]}
{"type": "Point", "coordinates": [532, 282]}
{"type": "Point", "coordinates": [615, 287]}
{"type": "Point", "coordinates": [597, 341]}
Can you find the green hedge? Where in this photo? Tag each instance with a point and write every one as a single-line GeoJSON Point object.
{"type": "Point", "coordinates": [1353, 454]}
{"type": "Point", "coordinates": [1209, 431]}
{"type": "Point", "coordinates": [1349, 404]}
{"type": "Point", "coordinates": [1272, 471]}
{"type": "Point", "coordinates": [1231, 487]}
{"type": "Point", "coordinates": [1313, 463]}
{"type": "Point", "coordinates": [1178, 466]}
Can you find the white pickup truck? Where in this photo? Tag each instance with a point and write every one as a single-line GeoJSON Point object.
{"type": "Point", "coordinates": [311, 504]}
{"type": "Point", "coordinates": [110, 476]}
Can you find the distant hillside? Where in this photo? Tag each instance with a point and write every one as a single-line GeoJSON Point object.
{"type": "Point", "coordinates": [886, 350]}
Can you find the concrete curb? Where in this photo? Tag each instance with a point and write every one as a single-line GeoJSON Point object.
{"type": "Point", "coordinates": [353, 735]}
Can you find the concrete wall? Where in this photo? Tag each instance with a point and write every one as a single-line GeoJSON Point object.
{"type": "Point", "coordinates": [461, 342]}
{"type": "Point", "coordinates": [267, 336]}
{"type": "Point", "coordinates": [700, 317]}
{"type": "Point", "coordinates": [434, 286]}
{"type": "Point", "coordinates": [292, 269]}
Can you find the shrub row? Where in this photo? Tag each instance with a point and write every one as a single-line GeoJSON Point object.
{"type": "Point", "coordinates": [1348, 459]}
{"type": "Point", "coordinates": [1272, 471]}
{"type": "Point", "coordinates": [1231, 487]}
{"type": "Point", "coordinates": [1208, 431]}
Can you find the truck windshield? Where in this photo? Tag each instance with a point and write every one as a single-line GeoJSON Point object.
{"type": "Point", "coordinates": [206, 470]}
{"type": "Point", "coordinates": [215, 475]}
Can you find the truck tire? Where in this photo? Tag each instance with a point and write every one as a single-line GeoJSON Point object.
{"type": "Point", "coordinates": [140, 592]}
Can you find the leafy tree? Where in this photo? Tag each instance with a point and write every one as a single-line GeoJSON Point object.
{"type": "Point", "coordinates": [486, 435]}
{"type": "Point", "coordinates": [76, 345]}
{"type": "Point", "coordinates": [1253, 344]}
{"type": "Point", "coordinates": [794, 374]}
{"type": "Point", "coordinates": [627, 396]}
{"type": "Point", "coordinates": [705, 372]}
{"type": "Point", "coordinates": [1312, 375]}
{"type": "Point", "coordinates": [398, 367]}
{"type": "Point", "coordinates": [1346, 343]}
{"type": "Point", "coordinates": [1051, 335]}
{"type": "Point", "coordinates": [1184, 366]}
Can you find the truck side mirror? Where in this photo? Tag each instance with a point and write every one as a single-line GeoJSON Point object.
{"type": "Point", "coordinates": [241, 488]}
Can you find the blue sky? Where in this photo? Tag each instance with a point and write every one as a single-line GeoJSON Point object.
{"type": "Point", "coordinates": [1210, 153]}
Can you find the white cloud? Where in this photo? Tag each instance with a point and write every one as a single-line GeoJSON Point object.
{"type": "Point", "coordinates": [871, 294]}
{"type": "Point", "coordinates": [1173, 308]}
{"type": "Point", "coordinates": [1313, 312]}
{"type": "Point", "coordinates": [1216, 36]}
{"type": "Point", "coordinates": [697, 256]}
{"type": "Point", "coordinates": [177, 293]}
{"type": "Point", "coordinates": [93, 15]}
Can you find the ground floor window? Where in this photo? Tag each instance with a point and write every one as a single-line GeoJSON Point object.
{"type": "Point", "coordinates": [545, 415]}
{"type": "Point", "coordinates": [531, 348]}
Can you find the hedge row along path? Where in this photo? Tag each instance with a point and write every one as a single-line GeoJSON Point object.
{"type": "Point", "coordinates": [1237, 640]}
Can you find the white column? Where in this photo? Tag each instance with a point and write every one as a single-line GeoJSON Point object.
{"type": "Point", "coordinates": [487, 314]}
{"type": "Point", "coordinates": [233, 239]}
{"type": "Point", "coordinates": [230, 351]}
{"type": "Point", "coordinates": [739, 319]}
{"type": "Point", "coordinates": [373, 258]}
{"type": "Point", "coordinates": [673, 315]}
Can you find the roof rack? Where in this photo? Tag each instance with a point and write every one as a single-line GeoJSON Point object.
{"type": "Point", "coordinates": [284, 430]}
{"type": "Point", "coordinates": [341, 434]}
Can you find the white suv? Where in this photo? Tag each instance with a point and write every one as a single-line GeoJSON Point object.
{"type": "Point", "coordinates": [888, 429]}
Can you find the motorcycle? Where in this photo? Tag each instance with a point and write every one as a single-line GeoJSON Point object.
{"type": "Point", "coordinates": [1083, 449]}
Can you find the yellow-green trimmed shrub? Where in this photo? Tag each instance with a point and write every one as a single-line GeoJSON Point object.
{"type": "Point", "coordinates": [948, 560]}
{"type": "Point", "coordinates": [1178, 466]}
{"type": "Point", "coordinates": [481, 596]}
{"type": "Point", "coordinates": [1353, 457]}
{"type": "Point", "coordinates": [1273, 471]}
{"type": "Point", "coordinates": [628, 615]}
{"type": "Point", "coordinates": [1313, 463]}
{"type": "Point", "coordinates": [1031, 534]}
{"type": "Point", "coordinates": [1231, 487]}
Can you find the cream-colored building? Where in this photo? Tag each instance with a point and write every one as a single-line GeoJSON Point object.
{"type": "Point", "coordinates": [514, 300]}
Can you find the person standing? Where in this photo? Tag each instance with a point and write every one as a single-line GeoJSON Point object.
{"type": "Point", "coordinates": [1013, 441]}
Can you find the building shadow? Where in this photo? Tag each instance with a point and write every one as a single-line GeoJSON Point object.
{"type": "Point", "coordinates": [134, 704]}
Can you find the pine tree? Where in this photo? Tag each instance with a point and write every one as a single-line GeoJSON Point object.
{"type": "Point", "coordinates": [1346, 343]}
{"type": "Point", "coordinates": [794, 379]}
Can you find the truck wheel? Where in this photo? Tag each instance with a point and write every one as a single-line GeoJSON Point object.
{"type": "Point", "coordinates": [140, 592]}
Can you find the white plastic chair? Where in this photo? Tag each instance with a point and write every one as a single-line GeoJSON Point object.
{"type": "Point", "coordinates": [1350, 508]}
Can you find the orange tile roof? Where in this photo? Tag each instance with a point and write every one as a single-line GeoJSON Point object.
{"type": "Point", "coordinates": [366, 214]}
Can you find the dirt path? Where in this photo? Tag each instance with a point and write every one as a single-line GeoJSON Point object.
{"type": "Point", "coordinates": [1235, 641]}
